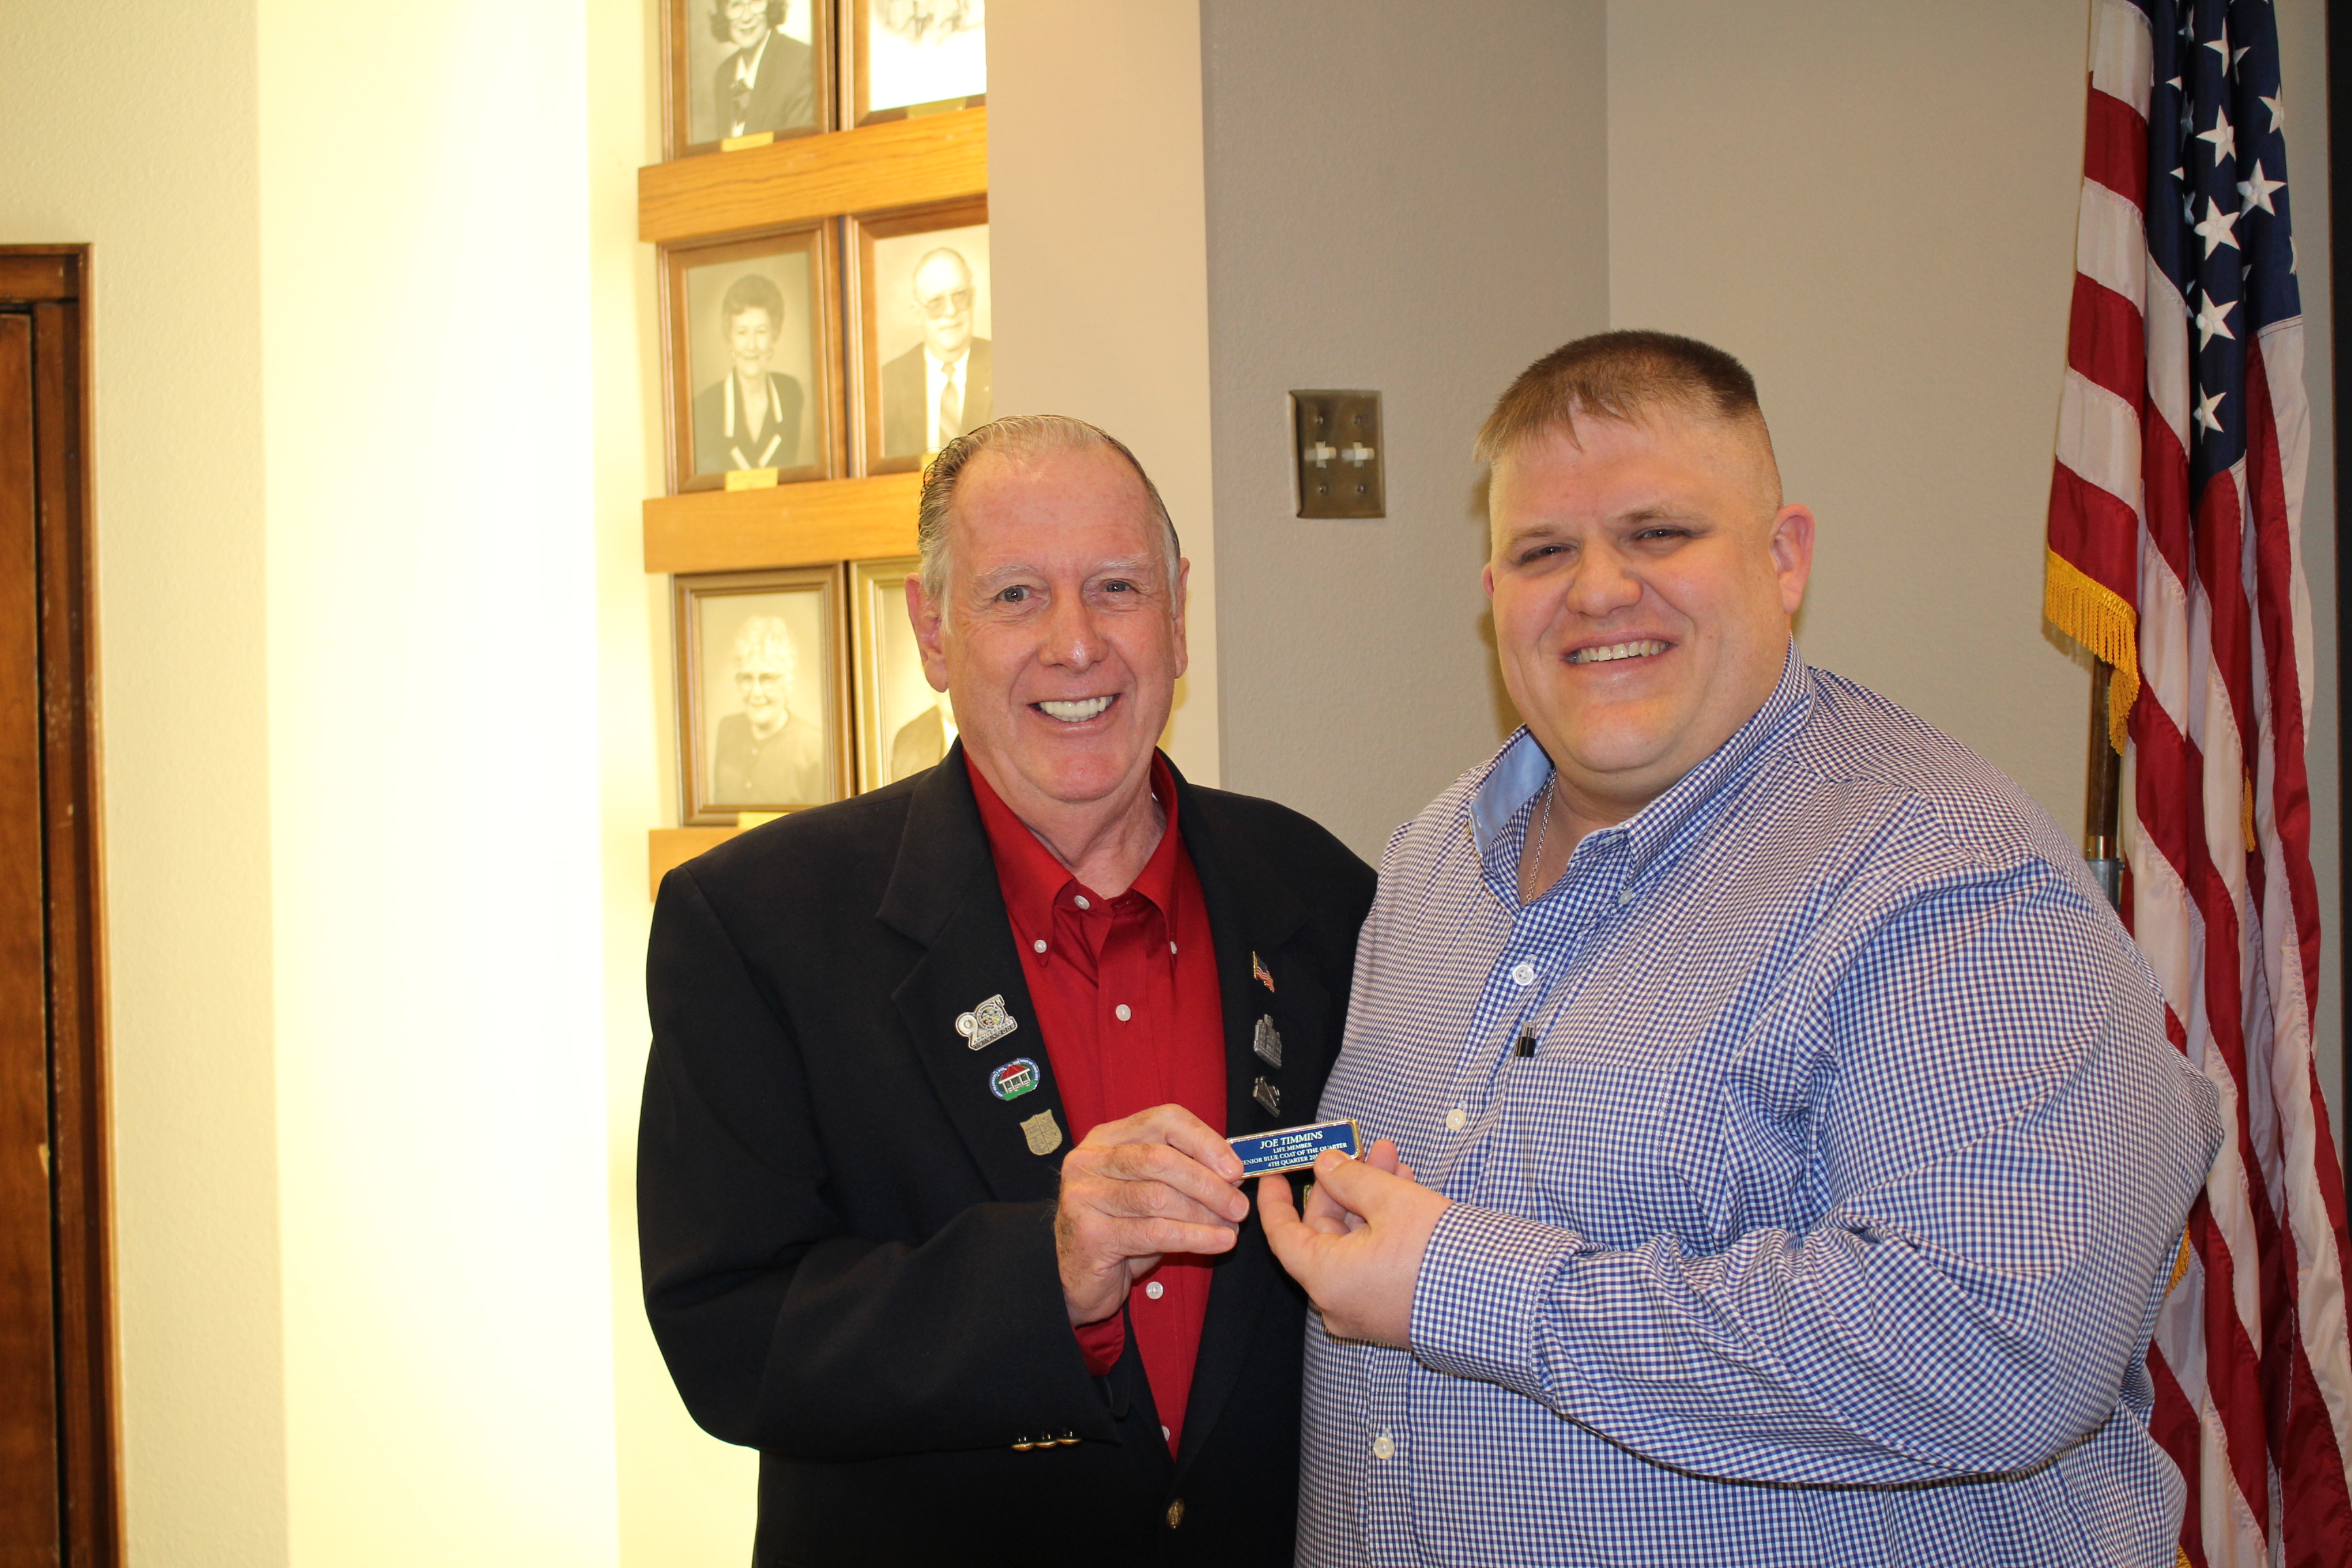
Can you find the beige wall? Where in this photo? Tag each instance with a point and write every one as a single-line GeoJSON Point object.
{"type": "Point", "coordinates": [146, 148]}
{"type": "Point", "coordinates": [1416, 209]}
{"type": "Point", "coordinates": [1874, 205]}
{"type": "Point", "coordinates": [1096, 236]}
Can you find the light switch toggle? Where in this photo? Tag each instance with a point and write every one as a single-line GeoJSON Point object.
{"type": "Point", "coordinates": [1345, 425]}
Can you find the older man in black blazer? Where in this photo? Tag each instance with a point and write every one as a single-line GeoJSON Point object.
{"type": "Point", "coordinates": [931, 1215]}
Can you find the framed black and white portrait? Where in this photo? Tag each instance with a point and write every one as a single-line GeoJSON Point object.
{"type": "Point", "coordinates": [763, 716]}
{"type": "Point", "coordinates": [903, 726]}
{"type": "Point", "coordinates": [925, 346]}
{"type": "Point", "coordinates": [741, 72]}
{"type": "Point", "coordinates": [903, 56]}
{"type": "Point", "coordinates": [748, 374]}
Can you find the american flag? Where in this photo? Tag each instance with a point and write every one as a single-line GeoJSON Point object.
{"type": "Point", "coordinates": [2175, 556]}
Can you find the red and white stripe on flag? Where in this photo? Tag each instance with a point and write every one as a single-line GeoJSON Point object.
{"type": "Point", "coordinates": [2175, 556]}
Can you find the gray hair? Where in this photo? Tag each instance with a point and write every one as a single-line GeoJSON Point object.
{"type": "Point", "coordinates": [768, 639]}
{"type": "Point", "coordinates": [1021, 437]}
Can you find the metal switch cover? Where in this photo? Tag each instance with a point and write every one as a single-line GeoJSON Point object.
{"type": "Point", "coordinates": [1337, 438]}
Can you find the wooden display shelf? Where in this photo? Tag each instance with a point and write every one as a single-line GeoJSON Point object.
{"type": "Point", "coordinates": [669, 847]}
{"type": "Point", "coordinates": [784, 525]}
{"type": "Point", "coordinates": [898, 164]}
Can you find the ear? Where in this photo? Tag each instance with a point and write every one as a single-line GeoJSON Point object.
{"type": "Point", "coordinates": [1184, 583]}
{"type": "Point", "coordinates": [931, 628]}
{"type": "Point", "coordinates": [1792, 554]}
{"type": "Point", "coordinates": [1486, 578]}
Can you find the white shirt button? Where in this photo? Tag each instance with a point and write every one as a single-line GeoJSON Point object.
{"type": "Point", "coordinates": [1171, 947]}
{"type": "Point", "coordinates": [1626, 897]}
{"type": "Point", "coordinates": [1383, 1446]}
{"type": "Point", "coordinates": [1155, 1290]}
{"type": "Point", "coordinates": [1122, 1013]}
{"type": "Point", "coordinates": [1081, 902]}
{"type": "Point", "coordinates": [1039, 944]}
{"type": "Point", "coordinates": [1456, 1120]}
{"type": "Point", "coordinates": [1523, 975]}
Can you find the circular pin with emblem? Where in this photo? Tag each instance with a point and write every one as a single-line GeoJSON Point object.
{"type": "Point", "coordinates": [1014, 1079]}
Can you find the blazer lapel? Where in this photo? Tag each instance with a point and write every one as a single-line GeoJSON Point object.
{"type": "Point", "coordinates": [943, 893]}
{"type": "Point", "coordinates": [1251, 916]}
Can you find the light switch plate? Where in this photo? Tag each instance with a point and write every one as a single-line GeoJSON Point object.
{"type": "Point", "coordinates": [1337, 451]}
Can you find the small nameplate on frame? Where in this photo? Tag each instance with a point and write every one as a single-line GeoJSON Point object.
{"type": "Point", "coordinates": [741, 143]}
{"type": "Point", "coordinates": [1294, 1148]}
{"type": "Point", "coordinates": [750, 478]}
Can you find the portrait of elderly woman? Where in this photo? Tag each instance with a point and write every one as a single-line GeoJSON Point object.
{"type": "Point", "coordinates": [749, 417]}
{"type": "Point", "coordinates": [749, 72]}
{"type": "Point", "coordinates": [764, 755]}
{"type": "Point", "coordinates": [762, 691]}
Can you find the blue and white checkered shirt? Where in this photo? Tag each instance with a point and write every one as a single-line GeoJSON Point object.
{"type": "Point", "coordinates": [1818, 1159]}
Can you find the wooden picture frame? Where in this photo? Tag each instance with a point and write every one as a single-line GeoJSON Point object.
{"type": "Point", "coordinates": [902, 307]}
{"type": "Point", "coordinates": [708, 291]}
{"type": "Point", "coordinates": [903, 726]}
{"type": "Point", "coordinates": [791, 89]}
{"type": "Point", "coordinates": [747, 639]}
{"type": "Point", "coordinates": [901, 59]}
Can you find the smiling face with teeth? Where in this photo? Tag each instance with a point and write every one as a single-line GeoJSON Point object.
{"type": "Point", "coordinates": [1057, 635]}
{"type": "Point", "coordinates": [1642, 578]}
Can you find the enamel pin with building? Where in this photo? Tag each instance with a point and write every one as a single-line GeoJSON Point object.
{"type": "Point", "coordinates": [986, 1024]}
{"type": "Point", "coordinates": [1013, 1079]}
{"type": "Point", "coordinates": [1268, 1043]}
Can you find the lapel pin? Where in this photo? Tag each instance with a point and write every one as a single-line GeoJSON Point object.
{"type": "Point", "coordinates": [1265, 1094]}
{"type": "Point", "coordinates": [1258, 970]}
{"type": "Point", "coordinates": [1013, 1079]}
{"type": "Point", "coordinates": [1044, 1134]}
{"type": "Point", "coordinates": [986, 1024]}
{"type": "Point", "coordinates": [1268, 1044]}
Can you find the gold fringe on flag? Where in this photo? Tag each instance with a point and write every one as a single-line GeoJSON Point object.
{"type": "Point", "coordinates": [2095, 616]}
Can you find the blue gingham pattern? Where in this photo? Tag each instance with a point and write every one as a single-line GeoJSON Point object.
{"type": "Point", "coordinates": [1827, 1221]}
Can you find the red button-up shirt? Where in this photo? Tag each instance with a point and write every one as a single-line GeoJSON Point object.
{"type": "Point", "coordinates": [1128, 1004]}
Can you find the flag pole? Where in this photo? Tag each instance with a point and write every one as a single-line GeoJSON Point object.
{"type": "Point", "coordinates": [2103, 794]}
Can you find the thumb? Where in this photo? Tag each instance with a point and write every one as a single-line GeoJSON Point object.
{"type": "Point", "coordinates": [1357, 1186]}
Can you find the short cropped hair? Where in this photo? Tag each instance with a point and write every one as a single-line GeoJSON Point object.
{"type": "Point", "coordinates": [768, 639]}
{"type": "Point", "coordinates": [752, 291]}
{"type": "Point", "coordinates": [1020, 436]}
{"type": "Point", "coordinates": [1618, 375]}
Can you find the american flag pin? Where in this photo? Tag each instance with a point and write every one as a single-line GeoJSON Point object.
{"type": "Point", "coordinates": [1258, 970]}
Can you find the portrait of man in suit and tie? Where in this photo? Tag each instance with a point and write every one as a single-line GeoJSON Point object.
{"type": "Point", "coordinates": [750, 67]}
{"type": "Point", "coordinates": [931, 330]}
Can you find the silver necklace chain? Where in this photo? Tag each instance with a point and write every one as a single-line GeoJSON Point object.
{"type": "Point", "coordinates": [1535, 862]}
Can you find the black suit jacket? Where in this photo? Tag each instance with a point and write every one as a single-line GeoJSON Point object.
{"type": "Point", "coordinates": [906, 398]}
{"type": "Point", "coordinates": [848, 1241]}
{"type": "Point", "coordinates": [716, 450]}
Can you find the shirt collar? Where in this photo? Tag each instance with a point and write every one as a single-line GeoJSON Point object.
{"type": "Point", "coordinates": [747, 70]}
{"type": "Point", "coordinates": [1521, 768]}
{"type": "Point", "coordinates": [1033, 878]}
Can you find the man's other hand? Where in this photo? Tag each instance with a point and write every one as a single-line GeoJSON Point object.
{"type": "Point", "coordinates": [1134, 1191]}
{"type": "Point", "coordinates": [1357, 1249]}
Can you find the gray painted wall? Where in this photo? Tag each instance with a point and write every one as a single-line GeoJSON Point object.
{"type": "Point", "coordinates": [1422, 210]}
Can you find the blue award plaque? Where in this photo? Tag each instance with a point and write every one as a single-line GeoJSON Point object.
{"type": "Point", "coordinates": [1294, 1148]}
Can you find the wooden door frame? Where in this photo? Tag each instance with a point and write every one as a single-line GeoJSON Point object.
{"type": "Point", "coordinates": [54, 280]}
